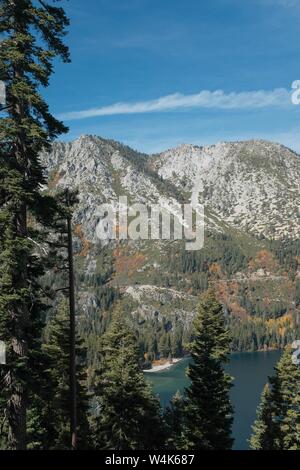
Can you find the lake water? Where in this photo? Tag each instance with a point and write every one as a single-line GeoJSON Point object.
{"type": "Point", "coordinates": [250, 372]}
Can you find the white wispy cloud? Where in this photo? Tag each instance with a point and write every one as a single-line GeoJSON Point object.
{"type": "Point", "coordinates": [279, 3]}
{"type": "Point", "coordinates": [204, 99]}
{"type": "Point", "coordinates": [284, 3]}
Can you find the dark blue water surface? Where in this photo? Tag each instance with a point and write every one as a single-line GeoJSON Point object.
{"type": "Point", "coordinates": [250, 372]}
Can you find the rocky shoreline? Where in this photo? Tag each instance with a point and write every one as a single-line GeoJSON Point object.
{"type": "Point", "coordinates": [164, 366]}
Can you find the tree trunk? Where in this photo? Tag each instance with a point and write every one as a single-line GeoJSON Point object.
{"type": "Point", "coordinates": [17, 404]}
{"type": "Point", "coordinates": [73, 384]}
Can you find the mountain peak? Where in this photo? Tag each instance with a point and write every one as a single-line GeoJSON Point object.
{"type": "Point", "coordinates": [250, 185]}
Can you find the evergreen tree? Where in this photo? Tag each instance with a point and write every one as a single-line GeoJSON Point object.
{"type": "Point", "coordinates": [31, 37]}
{"type": "Point", "coordinates": [128, 414]}
{"type": "Point", "coordinates": [49, 419]}
{"type": "Point", "coordinates": [174, 419]}
{"type": "Point", "coordinates": [208, 412]}
{"type": "Point", "coordinates": [289, 379]}
{"type": "Point", "coordinates": [265, 428]}
{"type": "Point", "coordinates": [278, 423]}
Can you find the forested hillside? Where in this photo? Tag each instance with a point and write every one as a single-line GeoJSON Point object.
{"type": "Point", "coordinates": [250, 255]}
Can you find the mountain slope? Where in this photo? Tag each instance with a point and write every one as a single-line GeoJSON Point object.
{"type": "Point", "coordinates": [253, 185]}
{"type": "Point", "coordinates": [251, 254]}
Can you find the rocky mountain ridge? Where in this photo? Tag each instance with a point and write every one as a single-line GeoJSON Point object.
{"type": "Point", "coordinates": [253, 186]}
{"type": "Point", "coordinates": [250, 191]}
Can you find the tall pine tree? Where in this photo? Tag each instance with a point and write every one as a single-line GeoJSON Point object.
{"type": "Point", "coordinates": [266, 430]}
{"type": "Point", "coordinates": [128, 414]}
{"type": "Point", "coordinates": [174, 419]}
{"type": "Point", "coordinates": [208, 412]}
{"type": "Point", "coordinates": [278, 419]}
{"type": "Point", "coordinates": [49, 417]}
{"type": "Point", "coordinates": [31, 37]}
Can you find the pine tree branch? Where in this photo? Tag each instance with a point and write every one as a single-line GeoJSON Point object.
{"type": "Point", "coordinates": [44, 5]}
{"type": "Point", "coordinates": [61, 289]}
{"type": "Point", "coordinates": [5, 107]}
{"type": "Point", "coordinates": [38, 244]}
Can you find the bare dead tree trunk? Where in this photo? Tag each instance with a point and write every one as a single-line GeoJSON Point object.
{"type": "Point", "coordinates": [73, 385]}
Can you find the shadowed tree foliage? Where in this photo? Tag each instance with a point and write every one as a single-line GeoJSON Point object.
{"type": "Point", "coordinates": [208, 412]}
{"type": "Point", "coordinates": [265, 428]}
{"type": "Point", "coordinates": [49, 418]}
{"type": "Point", "coordinates": [128, 414]}
{"type": "Point", "coordinates": [278, 418]}
{"type": "Point", "coordinates": [174, 418]}
{"type": "Point", "coordinates": [31, 37]}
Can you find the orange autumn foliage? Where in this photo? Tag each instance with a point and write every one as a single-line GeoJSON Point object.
{"type": "Point", "coordinates": [126, 263]}
{"type": "Point", "coordinates": [264, 260]}
{"type": "Point", "coordinates": [85, 243]}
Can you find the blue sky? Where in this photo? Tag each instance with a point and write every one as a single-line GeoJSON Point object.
{"type": "Point", "coordinates": [157, 73]}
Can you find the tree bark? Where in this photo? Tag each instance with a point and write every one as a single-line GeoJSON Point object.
{"type": "Point", "coordinates": [73, 384]}
{"type": "Point", "coordinates": [17, 404]}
